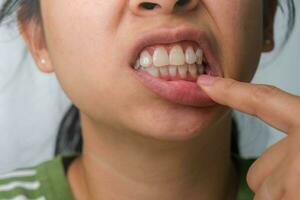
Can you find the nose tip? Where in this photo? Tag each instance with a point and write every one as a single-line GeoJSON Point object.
{"type": "Point", "coordinates": [152, 7]}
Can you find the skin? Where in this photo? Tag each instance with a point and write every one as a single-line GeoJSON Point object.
{"type": "Point", "coordinates": [142, 145]}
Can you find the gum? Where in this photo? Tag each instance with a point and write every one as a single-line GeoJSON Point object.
{"type": "Point", "coordinates": [184, 45]}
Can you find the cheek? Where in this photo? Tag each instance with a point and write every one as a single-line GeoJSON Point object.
{"type": "Point", "coordinates": [85, 59]}
{"type": "Point", "coordinates": [239, 28]}
{"type": "Point", "coordinates": [87, 53]}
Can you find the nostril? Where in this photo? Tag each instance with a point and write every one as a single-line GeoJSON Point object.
{"type": "Point", "coordinates": [181, 3]}
{"type": "Point", "coordinates": [149, 5]}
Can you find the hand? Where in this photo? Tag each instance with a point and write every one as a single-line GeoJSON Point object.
{"type": "Point", "coordinates": [276, 174]}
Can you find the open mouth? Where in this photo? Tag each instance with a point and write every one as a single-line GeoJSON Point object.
{"type": "Point", "coordinates": [183, 60]}
{"type": "Point", "coordinates": [169, 61]}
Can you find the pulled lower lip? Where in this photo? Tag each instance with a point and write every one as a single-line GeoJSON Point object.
{"type": "Point", "coordinates": [180, 91]}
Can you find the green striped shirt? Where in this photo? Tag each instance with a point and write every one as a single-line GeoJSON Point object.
{"type": "Point", "coordinates": [48, 181]}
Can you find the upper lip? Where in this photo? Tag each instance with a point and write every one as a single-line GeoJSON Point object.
{"type": "Point", "coordinates": [173, 35]}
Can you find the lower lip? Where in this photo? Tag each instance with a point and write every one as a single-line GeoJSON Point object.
{"type": "Point", "coordinates": [181, 92]}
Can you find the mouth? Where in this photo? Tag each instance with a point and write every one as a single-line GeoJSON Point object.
{"type": "Point", "coordinates": [169, 61]}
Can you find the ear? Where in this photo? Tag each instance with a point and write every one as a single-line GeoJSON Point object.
{"type": "Point", "coordinates": [33, 35]}
{"type": "Point", "coordinates": [270, 8]}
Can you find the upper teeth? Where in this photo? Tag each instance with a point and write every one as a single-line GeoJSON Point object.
{"type": "Point", "coordinates": [145, 59]}
{"type": "Point", "coordinates": [176, 57]}
{"type": "Point", "coordinates": [190, 56]}
{"type": "Point", "coordinates": [199, 55]}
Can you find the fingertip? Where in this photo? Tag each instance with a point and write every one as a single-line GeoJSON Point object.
{"type": "Point", "coordinates": [206, 80]}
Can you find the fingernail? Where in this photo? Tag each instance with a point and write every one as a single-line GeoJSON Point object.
{"type": "Point", "coordinates": [206, 80]}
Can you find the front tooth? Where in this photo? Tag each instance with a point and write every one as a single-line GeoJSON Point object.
{"type": "Point", "coordinates": [183, 71]}
{"type": "Point", "coordinates": [145, 59]}
{"type": "Point", "coordinates": [164, 71]}
{"type": "Point", "coordinates": [172, 70]}
{"type": "Point", "coordinates": [160, 57]}
{"type": "Point", "coordinates": [152, 71]}
{"type": "Point", "coordinates": [177, 56]}
{"type": "Point", "coordinates": [199, 55]}
{"type": "Point", "coordinates": [190, 56]}
{"type": "Point", "coordinates": [193, 70]}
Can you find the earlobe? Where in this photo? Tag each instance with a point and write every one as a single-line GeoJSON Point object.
{"type": "Point", "coordinates": [270, 8]}
{"type": "Point", "coordinates": [44, 65]}
{"type": "Point", "coordinates": [268, 38]}
{"type": "Point", "coordinates": [268, 45]}
{"type": "Point", "coordinates": [32, 34]}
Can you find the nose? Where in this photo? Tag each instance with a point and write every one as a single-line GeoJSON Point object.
{"type": "Point", "coordinates": [152, 7]}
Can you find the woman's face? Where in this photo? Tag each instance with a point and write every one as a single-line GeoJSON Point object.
{"type": "Point", "coordinates": [90, 44]}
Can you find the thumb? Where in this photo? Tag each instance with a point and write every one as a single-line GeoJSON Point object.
{"type": "Point", "coordinates": [206, 83]}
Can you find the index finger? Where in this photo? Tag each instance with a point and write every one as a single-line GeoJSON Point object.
{"type": "Point", "coordinates": [272, 105]}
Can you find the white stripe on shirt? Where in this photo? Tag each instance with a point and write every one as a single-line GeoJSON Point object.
{"type": "Point", "coordinates": [21, 197]}
{"type": "Point", "coordinates": [20, 173]}
{"type": "Point", "coordinates": [20, 184]}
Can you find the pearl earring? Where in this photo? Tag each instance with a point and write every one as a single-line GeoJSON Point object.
{"type": "Point", "coordinates": [43, 61]}
{"type": "Point", "coordinates": [268, 42]}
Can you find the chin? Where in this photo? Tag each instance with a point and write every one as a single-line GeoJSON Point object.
{"type": "Point", "coordinates": [179, 123]}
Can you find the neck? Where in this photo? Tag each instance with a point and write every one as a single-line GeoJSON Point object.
{"type": "Point", "coordinates": [127, 166]}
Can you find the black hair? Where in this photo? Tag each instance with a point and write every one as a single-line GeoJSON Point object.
{"type": "Point", "coordinates": [27, 10]}
{"type": "Point", "coordinates": [69, 138]}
